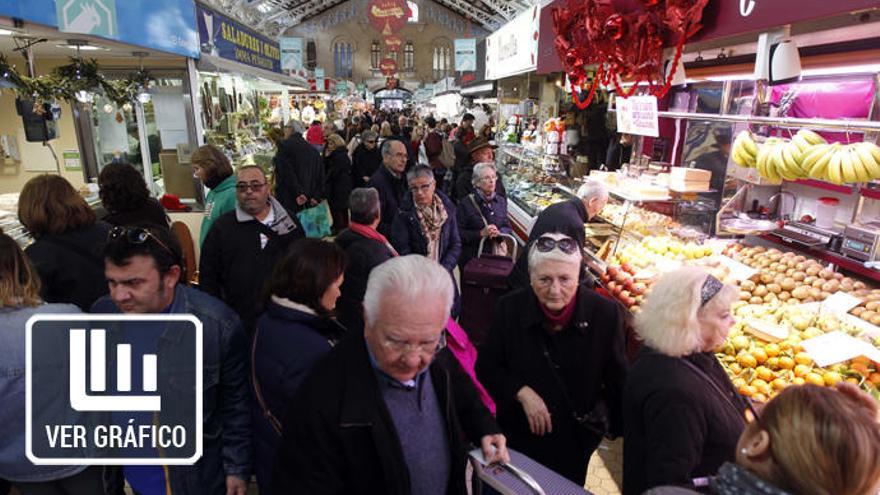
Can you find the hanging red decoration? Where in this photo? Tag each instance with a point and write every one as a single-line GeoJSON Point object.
{"type": "Point", "coordinates": [623, 44]}
{"type": "Point", "coordinates": [393, 43]}
{"type": "Point", "coordinates": [388, 16]}
{"type": "Point", "coordinates": [388, 66]}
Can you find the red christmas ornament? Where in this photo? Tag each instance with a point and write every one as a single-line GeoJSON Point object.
{"type": "Point", "coordinates": [614, 27]}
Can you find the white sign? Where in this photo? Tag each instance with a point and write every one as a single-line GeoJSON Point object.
{"type": "Point", "coordinates": [638, 115]}
{"type": "Point", "coordinates": [837, 347]}
{"type": "Point", "coordinates": [513, 49]}
{"type": "Point", "coordinates": [738, 271]}
{"type": "Point", "coordinates": [840, 302]}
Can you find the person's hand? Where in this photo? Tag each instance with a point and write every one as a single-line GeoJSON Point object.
{"type": "Point", "coordinates": [366, 179]}
{"type": "Point", "coordinates": [486, 231]}
{"type": "Point", "coordinates": [495, 449]}
{"type": "Point", "coordinates": [536, 411]}
{"type": "Point", "coordinates": [301, 199]}
{"type": "Point", "coordinates": [235, 486]}
{"type": "Point", "coordinates": [313, 202]}
{"type": "Point", "coordinates": [493, 231]}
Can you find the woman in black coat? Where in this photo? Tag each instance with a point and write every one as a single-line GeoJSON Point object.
{"type": "Point", "coordinates": [554, 362]}
{"type": "Point", "coordinates": [126, 198]}
{"type": "Point", "coordinates": [68, 251]}
{"type": "Point", "coordinates": [292, 335]}
{"type": "Point", "coordinates": [682, 415]}
{"type": "Point", "coordinates": [482, 215]}
{"type": "Point", "coordinates": [337, 181]}
{"type": "Point", "coordinates": [365, 160]}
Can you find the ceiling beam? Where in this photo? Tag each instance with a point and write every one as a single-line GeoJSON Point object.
{"type": "Point", "coordinates": [504, 8]}
{"type": "Point", "coordinates": [486, 19]}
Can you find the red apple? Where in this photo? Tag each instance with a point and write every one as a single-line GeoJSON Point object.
{"type": "Point", "coordinates": [611, 271]}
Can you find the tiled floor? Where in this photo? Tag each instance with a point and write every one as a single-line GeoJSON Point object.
{"type": "Point", "coordinates": [605, 473]}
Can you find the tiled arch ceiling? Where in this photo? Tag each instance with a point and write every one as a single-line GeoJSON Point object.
{"type": "Point", "coordinates": [273, 17]}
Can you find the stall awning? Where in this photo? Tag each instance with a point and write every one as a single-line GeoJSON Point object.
{"type": "Point", "coordinates": [211, 63]}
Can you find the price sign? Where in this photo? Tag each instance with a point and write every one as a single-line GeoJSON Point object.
{"type": "Point", "coordinates": [840, 302]}
{"type": "Point", "coordinates": [836, 347]}
{"type": "Point", "coordinates": [638, 115]}
{"type": "Point", "coordinates": [738, 271]}
{"type": "Point", "coordinates": [765, 330]}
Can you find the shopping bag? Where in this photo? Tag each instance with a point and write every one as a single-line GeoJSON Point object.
{"type": "Point", "coordinates": [316, 221]}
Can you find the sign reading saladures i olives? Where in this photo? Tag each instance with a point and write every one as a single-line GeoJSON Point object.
{"type": "Point", "coordinates": [223, 37]}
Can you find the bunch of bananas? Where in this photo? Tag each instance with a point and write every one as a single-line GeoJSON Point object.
{"type": "Point", "coordinates": [807, 155]}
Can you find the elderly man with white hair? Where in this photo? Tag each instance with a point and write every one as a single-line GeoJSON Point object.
{"type": "Point", "coordinates": [567, 217]}
{"type": "Point", "coordinates": [388, 413]}
{"type": "Point", "coordinates": [554, 362]}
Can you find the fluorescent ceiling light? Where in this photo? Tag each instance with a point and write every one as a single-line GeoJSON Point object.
{"type": "Point", "coordinates": [265, 8]}
{"type": "Point", "coordinates": [846, 69]}
{"type": "Point", "coordinates": [85, 48]}
{"type": "Point", "coordinates": [6, 32]}
{"type": "Point", "coordinates": [733, 77]}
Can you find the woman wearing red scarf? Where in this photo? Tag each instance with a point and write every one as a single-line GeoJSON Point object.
{"type": "Point", "coordinates": [554, 362]}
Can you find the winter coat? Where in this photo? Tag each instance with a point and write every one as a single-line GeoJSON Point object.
{"type": "Point", "coordinates": [676, 425]}
{"type": "Point", "coordinates": [339, 436]}
{"type": "Point", "coordinates": [219, 200]}
{"type": "Point", "coordinates": [391, 192]}
{"type": "Point", "coordinates": [363, 255]}
{"type": "Point", "coordinates": [588, 355]}
{"type": "Point", "coordinates": [151, 213]}
{"type": "Point", "coordinates": [566, 217]}
{"type": "Point", "coordinates": [337, 186]}
{"type": "Point", "coordinates": [408, 238]}
{"type": "Point", "coordinates": [288, 343]}
{"type": "Point", "coordinates": [470, 223]}
{"type": "Point", "coordinates": [299, 170]}
{"type": "Point", "coordinates": [234, 267]}
{"type": "Point", "coordinates": [364, 163]}
{"type": "Point", "coordinates": [71, 265]}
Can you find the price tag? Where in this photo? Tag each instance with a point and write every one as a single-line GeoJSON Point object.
{"type": "Point", "coordinates": [765, 330]}
{"type": "Point", "coordinates": [738, 271]}
{"type": "Point", "coordinates": [840, 302]}
{"type": "Point", "coordinates": [835, 347]}
{"type": "Point", "coordinates": [638, 115]}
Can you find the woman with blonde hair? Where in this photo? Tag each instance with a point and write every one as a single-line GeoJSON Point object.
{"type": "Point", "coordinates": [682, 415]}
{"type": "Point", "coordinates": [19, 301]}
{"type": "Point", "coordinates": [68, 241]}
{"type": "Point", "coordinates": [337, 181]}
{"type": "Point", "coordinates": [808, 440]}
{"type": "Point", "coordinates": [213, 168]}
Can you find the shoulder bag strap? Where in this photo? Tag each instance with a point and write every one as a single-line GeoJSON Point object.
{"type": "Point", "coordinates": [479, 211]}
{"type": "Point", "coordinates": [724, 395]}
{"type": "Point", "coordinates": [273, 420]}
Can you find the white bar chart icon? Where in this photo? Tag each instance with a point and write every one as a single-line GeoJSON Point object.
{"type": "Point", "coordinates": [79, 396]}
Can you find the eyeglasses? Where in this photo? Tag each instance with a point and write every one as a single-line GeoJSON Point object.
{"type": "Point", "coordinates": [422, 189]}
{"type": "Point", "coordinates": [487, 178]}
{"type": "Point", "coordinates": [564, 281]}
{"type": "Point", "coordinates": [137, 235]}
{"type": "Point", "coordinates": [546, 244]}
{"type": "Point", "coordinates": [253, 186]}
{"type": "Point", "coordinates": [401, 347]}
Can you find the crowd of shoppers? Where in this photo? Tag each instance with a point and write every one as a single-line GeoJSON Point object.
{"type": "Point", "coordinates": [337, 366]}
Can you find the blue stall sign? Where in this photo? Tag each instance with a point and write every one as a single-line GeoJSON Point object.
{"type": "Point", "coordinates": [165, 25]}
{"type": "Point", "coordinates": [223, 37]}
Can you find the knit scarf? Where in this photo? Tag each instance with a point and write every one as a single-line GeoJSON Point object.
{"type": "Point", "coordinates": [432, 217]}
{"type": "Point", "coordinates": [371, 233]}
{"type": "Point", "coordinates": [734, 479]}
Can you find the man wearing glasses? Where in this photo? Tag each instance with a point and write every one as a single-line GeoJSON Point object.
{"type": "Point", "coordinates": [390, 183]}
{"type": "Point", "coordinates": [241, 249]}
{"type": "Point", "coordinates": [389, 413]}
{"type": "Point", "coordinates": [143, 271]}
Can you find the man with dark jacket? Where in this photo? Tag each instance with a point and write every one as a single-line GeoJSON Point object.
{"type": "Point", "coordinates": [366, 249]}
{"type": "Point", "coordinates": [143, 268]}
{"type": "Point", "coordinates": [299, 171]}
{"type": "Point", "coordinates": [567, 217]}
{"type": "Point", "coordinates": [244, 245]}
{"type": "Point", "coordinates": [388, 413]}
{"type": "Point", "coordinates": [365, 160]}
{"type": "Point", "coordinates": [434, 148]}
{"type": "Point", "coordinates": [390, 182]}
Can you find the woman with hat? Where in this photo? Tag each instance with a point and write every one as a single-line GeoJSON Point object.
{"type": "Point", "coordinates": [554, 362]}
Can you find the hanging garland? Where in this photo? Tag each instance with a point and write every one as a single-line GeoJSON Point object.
{"type": "Point", "coordinates": [622, 44]}
{"type": "Point", "coordinates": [66, 81]}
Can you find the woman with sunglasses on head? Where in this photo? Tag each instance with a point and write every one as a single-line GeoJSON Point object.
{"type": "Point", "coordinates": [682, 413]}
{"type": "Point", "coordinates": [68, 241]}
{"type": "Point", "coordinates": [554, 362]}
{"type": "Point", "coordinates": [808, 440]}
{"type": "Point", "coordinates": [19, 301]}
{"type": "Point", "coordinates": [297, 329]}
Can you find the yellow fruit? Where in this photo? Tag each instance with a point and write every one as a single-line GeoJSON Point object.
{"type": "Point", "coordinates": [760, 355]}
{"type": "Point", "coordinates": [832, 378]}
{"type": "Point", "coordinates": [764, 373]}
{"type": "Point", "coordinates": [854, 381]}
{"type": "Point", "coordinates": [739, 382]}
{"type": "Point", "coordinates": [772, 363]}
{"type": "Point", "coordinates": [802, 370]}
{"type": "Point", "coordinates": [798, 381]}
{"type": "Point", "coordinates": [815, 379]}
{"type": "Point", "coordinates": [803, 358]}
{"type": "Point", "coordinates": [772, 350]}
{"type": "Point", "coordinates": [740, 342]}
{"type": "Point", "coordinates": [735, 368]}
{"type": "Point", "coordinates": [759, 397]}
{"type": "Point", "coordinates": [746, 360]}
{"type": "Point", "coordinates": [779, 384]}
{"type": "Point", "coordinates": [748, 390]}
{"type": "Point", "coordinates": [786, 362]}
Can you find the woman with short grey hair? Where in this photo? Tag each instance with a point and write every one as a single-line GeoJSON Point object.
{"type": "Point", "coordinates": [554, 362]}
{"type": "Point", "coordinates": [482, 215]}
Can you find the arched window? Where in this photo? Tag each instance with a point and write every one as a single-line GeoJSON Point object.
{"type": "Point", "coordinates": [311, 55]}
{"type": "Point", "coordinates": [442, 61]}
{"type": "Point", "coordinates": [342, 58]}
{"type": "Point", "coordinates": [375, 54]}
{"type": "Point", "coordinates": [414, 12]}
{"type": "Point", "coordinates": [409, 56]}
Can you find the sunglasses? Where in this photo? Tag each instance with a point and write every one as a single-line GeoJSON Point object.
{"type": "Point", "coordinates": [136, 235]}
{"type": "Point", "coordinates": [546, 244]}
